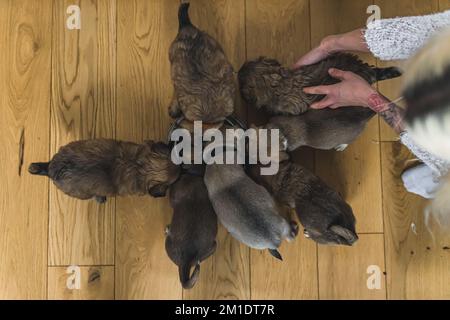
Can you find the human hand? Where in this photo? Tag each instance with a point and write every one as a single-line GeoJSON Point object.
{"type": "Point", "coordinates": [351, 91]}
{"type": "Point", "coordinates": [350, 41]}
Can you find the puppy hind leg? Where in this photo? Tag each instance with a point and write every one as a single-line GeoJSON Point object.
{"type": "Point", "coordinates": [100, 199]}
{"type": "Point", "coordinates": [174, 108]}
{"type": "Point", "coordinates": [294, 230]}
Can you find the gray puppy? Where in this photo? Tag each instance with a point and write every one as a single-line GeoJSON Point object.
{"type": "Point", "coordinates": [326, 217]}
{"type": "Point", "coordinates": [324, 129]}
{"type": "Point", "coordinates": [246, 209]}
{"type": "Point", "coordinates": [101, 168]}
{"type": "Point", "coordinates": [191, 236]}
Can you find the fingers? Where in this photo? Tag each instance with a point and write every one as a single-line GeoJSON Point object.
{"type": "Point", "coordinates": [317, 90]}
{"type": "Point", "coordinates": [340, 74]}
{"type": "Point", "coordinates": [327, 102]}
{"type": "Point", "coordinates": [315, 55]}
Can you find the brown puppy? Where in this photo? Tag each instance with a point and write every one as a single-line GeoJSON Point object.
{"type": "Point", "coordinates": [103, 168]}
{"type": "Point", "coordinates": [264, 83]}
{"type": "Point", "coordinates": [191, 236]}
{"type": "Point", "coordinates": [321, 129]}
{"type": "Point", "coordinates": [202, 76]}
{"type": "Point", "coordinates": [326, 217]}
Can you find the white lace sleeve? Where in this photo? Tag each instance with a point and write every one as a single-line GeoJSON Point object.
{"type": "Point", "coordinates": [440, 166]}
{"type": "Point", "coordinates": [399, 38]}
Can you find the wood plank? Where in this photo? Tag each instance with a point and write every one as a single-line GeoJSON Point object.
{"type": "Point", "coordinates": [225, 275]}
{"type": "Point", "coordinates": [83, 107]}
{"type": "Point", "coordinates": [25, 99]}
{"type": "Point", "coordinates": [444, 5]}
{"type": "Point", "coordinates": [418, 266]}
{"type": "Point", "coordinates": [96, 283]}
{"type": "Point", "coordinates": [355, 173]}
{"type": "Point", "coordinates": [392, 88]}
{"type": "Point", "coordinates": [145, 31]}
{"type": "Point", "coordinates": [281, 30]}
{"type": "Point", "coordinates": [343, 271]}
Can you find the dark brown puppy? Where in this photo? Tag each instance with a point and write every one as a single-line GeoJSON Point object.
{"type": "Point", "coordinates": [321, 129]}
{"type": "Point", "coordinates": [326, 217]}
{"type": "Point", "coordinates": [202, 76]}
{"type": "Point", "coordinates": [191, 236]}
{"type": "Point", "coordinates": [264, 83]}
{"type": "Point", "coordinates": [103, 168]}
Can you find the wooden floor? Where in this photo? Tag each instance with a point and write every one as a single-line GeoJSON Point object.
{"type": "Point", "coordinates": [111, 79]}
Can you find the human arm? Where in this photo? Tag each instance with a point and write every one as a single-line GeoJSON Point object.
{"type": "Point", "coordinates": [387, 39]}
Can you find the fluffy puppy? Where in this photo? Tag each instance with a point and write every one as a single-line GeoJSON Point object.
{"type": "Point", "coordinates": [191, 236]}
{"type": "Point", "coordinates": [326, 217]}
{"type": "Point", "coordinates": [264, 83]}
{"type": "Point", "coordinates": [246, 209]}
{"type": "Point", "coordinates": [203, 78]}
{"type": "Point", "coordinates": [103, 168]}
{"type": "Point", "coordinates": [321, 129]}
{"type": "Point", "coordinates": [427, 95]}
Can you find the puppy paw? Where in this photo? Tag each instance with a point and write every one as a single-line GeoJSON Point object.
{"type": "Point", "coordinates": [294, 231]}
{"type": "Point", "coordinates": [283, 143]}
{"type": "Point", "coordinates": [341, 147]}
{"type": "Point", "coordinates": [306, 233]}
{"type": "Point", "coordinates": [100, 199]}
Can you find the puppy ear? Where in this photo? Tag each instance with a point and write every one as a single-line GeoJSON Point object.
{"type": "Point", "coordinates": [160, 148]}
{"type": "Point", "coordinates": [149, 142]}
{"type": "Point", "coordinates": [158, 191]}
{"type": "Point", "coordinates": [349, 236]}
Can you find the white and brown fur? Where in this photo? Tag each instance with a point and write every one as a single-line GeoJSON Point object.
{"type": "Point", "coordinates": [427, 94]}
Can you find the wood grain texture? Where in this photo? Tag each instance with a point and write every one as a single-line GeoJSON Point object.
{"type": "Point", "coordinates": [145, 31]}
{"type": "Point", "coordinates": [225, 275]}
{"type": "Point", "coordinates": [83, 107]}
{"type": "Point", "coordinates": [417, 264]}
{"type": "Point", "coordinates": [24, 137]}
{"type": "Point", "coordinates": [444, 5]}
{"type": "Point", "coordinates": [355, 173]}
{"type": "Point", "coordinates": [343, 270]}
{"type": "Point", "coordinates": [392, 88]}
{"type": "Point", "coordinates": [96, 283]}
{"type": "Point", "coordinates": [281, 30]}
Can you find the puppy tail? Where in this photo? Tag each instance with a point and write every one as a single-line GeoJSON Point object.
{"type": "Point", "coordinates": [276, 254]}
{"type": "Point", "coordinates": [187, 280]}
{"type": "Point", "coordinates": [183, 15]}
{"type": "Point", "coordinates": [387, 73]}
{"type": "Point", "coordinates": [39, 168]}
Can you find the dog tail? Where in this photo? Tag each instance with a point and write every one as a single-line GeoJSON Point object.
{"type": "Point", "coordinates": [276, 254]}
{"type": "Point", "coordinates": [387, 73]}
{"type": "Point", "coordinates": [39, 168]}
{"type": "Point", "coordinates": [183, 15]}
{"type": "Point", "coordinates": [187, 280]}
